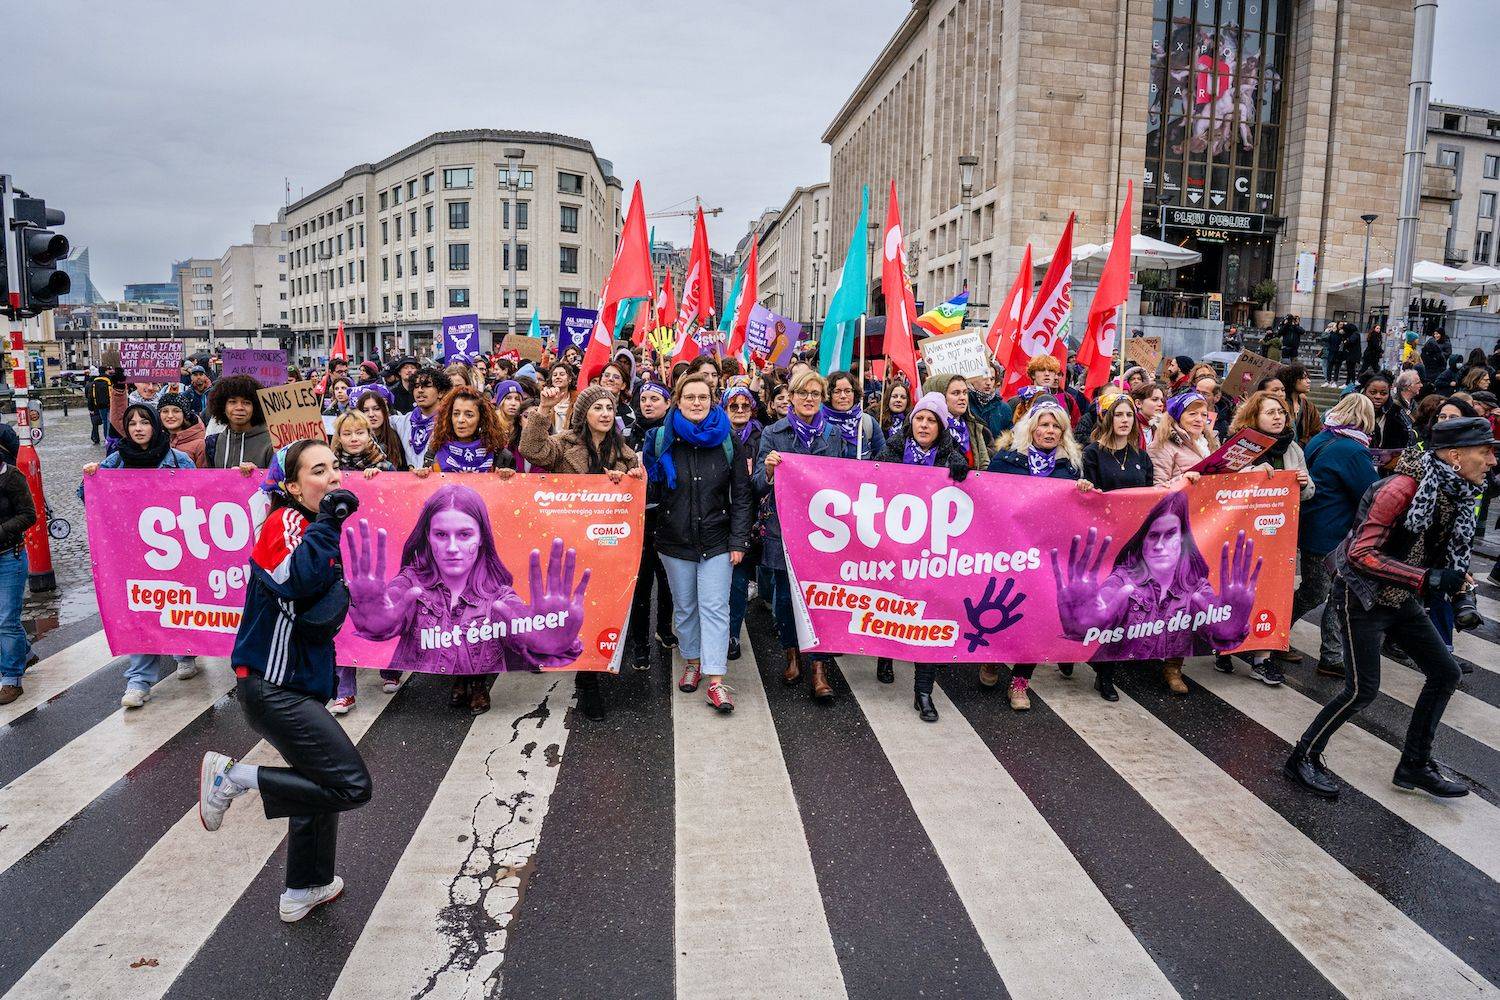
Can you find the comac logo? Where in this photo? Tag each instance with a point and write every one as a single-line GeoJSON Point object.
{"type": "Point", "coordinates": [608, 534]}
{"type": "Point", "coordinates": [1267, 524]}
{"type": "Point", "coordinates": [547, 497]}
{"type": "Point", "coordinates": [1252, 493]}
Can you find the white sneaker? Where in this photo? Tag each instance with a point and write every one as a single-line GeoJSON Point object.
{"type": "Point", "coordinates": [188, 669]}
{"type": "Point", "coordinates": [389, 687]}
{"type": "Point", "coordinates": [215, 790]}
{"type": "Point", "coordinates": [294, 910]}
{"type": "Point", "coordinates": [135, 698]}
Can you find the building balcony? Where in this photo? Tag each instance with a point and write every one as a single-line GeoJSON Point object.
{"type": "Point", "coordinates": [1439, 182]}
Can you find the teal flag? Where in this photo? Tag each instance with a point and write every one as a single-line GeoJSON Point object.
{"type": "Point", "coordinates": [726, 318]}
{"type": "Point", "coordinates": [841, 325]}
{"type": "Point", "coordinates": [536, 326]}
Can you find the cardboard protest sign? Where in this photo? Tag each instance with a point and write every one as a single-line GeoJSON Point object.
{"type": "Point", "coordinates": [266, 367]}
{"type": "Point", "coordinates": [529, 348]}
{"type": "Point", "coordinates": [151, 360]}
{"type": "Point", "coordinates": [574, 329]}
{"type": "Point", "coordinates": [292, 412]}
{"type": "Point", "coordinates": [460, 336]}
{"type": "Point", "coordinates": [901, 561]}
{"type": "Point", "coordinates": [961, 353]}
{"type": "Point", "coordinates": [772, 339]}
{"type": "Point", "coordinates": [1239, 452]}
{"type": "Point", "coordinates": [1144, 351]}
{"type": "Point", "coordinates": [1248, 369]}
{"type": "Point", "coordinates": [547, 585]}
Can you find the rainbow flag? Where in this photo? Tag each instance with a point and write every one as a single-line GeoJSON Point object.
{"type": "Point", "coordinates": [946, 318]}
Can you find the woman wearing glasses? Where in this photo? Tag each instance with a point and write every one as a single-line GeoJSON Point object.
{"type": "Point", "coordinates": [805, 431]}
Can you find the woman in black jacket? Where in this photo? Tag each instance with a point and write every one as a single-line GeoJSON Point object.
{"type": "Point", "coordinates": [925, 440]}
{"type": "Point", "coordinates": [17, 513]}
{"type": "Point", "coordinates": [1041, 444]}
{"type": "Point", "coordinates": [700, 478]}
{"type": "Point", "coordinates": [1114, 460]}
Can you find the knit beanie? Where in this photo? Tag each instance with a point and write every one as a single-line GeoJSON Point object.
{"type": "Point", "coordinates": [176, 399]}
{"type": "Point", "coordinates": [578, 413]}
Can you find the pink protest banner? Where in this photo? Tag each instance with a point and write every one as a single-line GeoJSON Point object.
{"type": "Point", "coordinates": [546, 566]}
{"type": "Point", "coordinates": [901, 561]}
{"type": "Point", "coordinates": [151, 360]}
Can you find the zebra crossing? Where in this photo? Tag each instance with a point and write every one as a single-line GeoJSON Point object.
{"type": "Point", "coordinates": [1145, 848]}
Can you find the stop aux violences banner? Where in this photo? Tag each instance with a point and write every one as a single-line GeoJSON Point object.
{"type": "Point", "coordinates": [901, 561]}
{"type": "Point", "coordinates": [543, 567]}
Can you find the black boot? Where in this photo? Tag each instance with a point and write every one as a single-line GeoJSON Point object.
{"type": "Point", "coordinates": [885, 671]}
{"type": "Point", "coordinates": [1430, 778]}
{"type": "Point", "coordinates": [1223, 664]}
{"type": "Point", "coordinates": [734, 649]}
{"type": "Point", "coordinates": [1066, 669]}
{"type": "Point", "coordinates": [1105, 685]}
{"type": "Point", "coordinates": [640, 656]}
{"type": "Point", "coordinates": [1307, 770]}
{"type": "Point", "coordinates": [922, 702]}
{"type": "Point", "coordinates": [589, 702]}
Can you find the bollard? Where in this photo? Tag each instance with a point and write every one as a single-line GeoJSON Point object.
{"type": "Point", "coordinates": [38, 541]}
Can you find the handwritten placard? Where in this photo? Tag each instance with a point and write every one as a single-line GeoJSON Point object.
{"type": "Point", "coordinates": [957, 354]}
{"type": "Point", "coordinates": [151, 360]}
{"type": "Point", "coordinates": [266, 367]}
{"type": "Point", "coordinates": [529, 348]}
{"type": "Point", "coordinates": [292, 412]}
{"type": "Point", "coordinates": [1145, 352]}
{"type": "Point", "coordinates": [1248, 369]}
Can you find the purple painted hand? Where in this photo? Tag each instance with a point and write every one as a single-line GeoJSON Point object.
{"type": "Point", "coordinates": [1237, 591]}
{"type": "Point", "coordinates": [378, 609]}
{"type": "Point", "coordinates": [557, 595]}
{"type": "Point", "coordinates": [1081, 605]}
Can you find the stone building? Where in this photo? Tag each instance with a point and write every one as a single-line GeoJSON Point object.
{"type": "Point", "coordinates": [390, 248]}
{"type": "Point", "coordinates": [792, 259]}
{"type": "Point", "coordinates": [1257, 132]}
{"type": "Point", "coordinates": [1463, 157]}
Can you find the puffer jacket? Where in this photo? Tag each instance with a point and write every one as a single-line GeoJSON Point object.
{"type": "Point", "coordinates": [781, 438]}
{"type": "Point", "coordinates": [1014, 463]}
{"type": "Point", "coordinates": [190, 441]}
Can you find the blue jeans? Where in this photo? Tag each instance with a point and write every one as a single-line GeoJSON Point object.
{"type": "Point", "coordinates": [781, 607]}
{"type": "Point", "coordinates": [141, 671]}
{"type": "Point", "coordinates": [700, 609]}
{"type": "Point", "coordinates": [15, 648]}
{"type": "Point", "coordinates": [739, 597]}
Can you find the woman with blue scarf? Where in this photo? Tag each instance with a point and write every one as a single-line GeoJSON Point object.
{"type": "Point", "coordinates": [805, 430]}
{"type": "Point", "coordinates": [700, 481]}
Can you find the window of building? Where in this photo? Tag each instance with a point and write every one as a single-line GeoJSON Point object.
{"type": "Point", "coordinates": [458, 297]}
{"type": "Point", "coordinates": [568, 218]}
{"type": "Point", "coordinates": [359, 204]}
{"type": "Point", "coordinates": [458, 177]}
{"type": "Point", "coordinates": [385, 269]}
{"type": "Point", "coordinates": [1453, 122]}
{"type": "Point", "coordinates": [1486, 204]}
{"type": "Point", "coordinates": [1482, 240]}
{"type": "Point", "coordinates": [427, 183]}
{"type": "Point", "coordinates": [339, 243]}
{"type": "Point", "coordinates": [1448, 157]}
{"type": "Point", "coordinates": [522, 257]}
{"type": "Point", "coordinates": [396, 195]}
{"type": "Point", "coordinates": [569, 183]}
{"type": "Point", "coordinates": [431, 254]}
{"type": "Point", "coordinates": [398, 266]}
{"type": "Point", "coordinates": [1494, 126]}
{"type": "Point", "coordinates": [458, 215]}
{"type": "Point", "coordinates": [458, 256]}
{"type": "Point", "coordinates": [361, 235]}
{"type": "Point", "coordinates": [567, 260]}
{"type": "Point", "coordinates": [411, 188]}
{"type": "Point", "coordinates": [398, 227]}
{"type": "Point", "coordinates": [523, 214]}
{"type": "Point", "coordinates": [528, 179]}
{"type": "Point", "coordinates": [361, 270]}
{"type": "Point", "coordinates": [385, 303]}
{"type": "Point", "coordinates": [431, 299]}
{"type": "Point", "coordinates": [339, 214]}
{"type": "Point", "coordinates": [1491, 167]}
{"type": "Point", "coordinates": [385, 232]}
{"type": "Point", "coordinates": [567, 297]}
{"type": "Point", "coordinates": [427, 216]}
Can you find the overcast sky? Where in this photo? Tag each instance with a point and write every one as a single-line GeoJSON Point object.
{"type": "Point", "coordinates": [170, 126]}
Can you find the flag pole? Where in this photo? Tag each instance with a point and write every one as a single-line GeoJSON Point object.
{"type": "Point", "coordinates": [1120, 333]}
{"type": "Point", "coordinates": [859, 380]}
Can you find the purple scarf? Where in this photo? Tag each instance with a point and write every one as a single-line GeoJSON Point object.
{"type": "Point", "coordinates": [897, 421]}
{"type": "Point", "coordinates": [460, 456]}
{"type": "Point", "coordinates": [847, 421]}
{"type": "Point", "coordinates": [807, 431]}
{"type": "Point", "coordinates": [1041, 463]}
{"type": "Point", "coordinates": [915, 454]}
{"type": "Point", "coordinates": [421, 430]}
{"type": "Point", "coordinates": [960, 429]}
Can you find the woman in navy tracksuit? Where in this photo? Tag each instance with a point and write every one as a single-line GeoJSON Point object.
{"type": "Point", "coordinates": [283, 659]}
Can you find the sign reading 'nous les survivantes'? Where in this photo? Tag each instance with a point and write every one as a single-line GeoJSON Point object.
{"type": "Point", "coordinates": [901, 561]}
{"type": "Point", "coordinates": [292, 412]}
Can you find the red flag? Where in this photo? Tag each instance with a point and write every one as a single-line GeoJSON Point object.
{"type": "Point", "coordinates": [1047, 321]}
{"type": "Point", "coordinates": [742, 308]}
{"type": "Point", "coordinates": [1097, 351]}
{"type": "Point", "coordinates": [698, 285]}
{"type": "Point", "coordinates": [629, 277]}
{"type": "Point", "coordinates": [339, 349]}
{"type": "Point", "coordinates": [900, 306]}
{"type": "Point", "coordinates": [666, 302]}
{"type": "Point", "coordinates": [1007, 322]}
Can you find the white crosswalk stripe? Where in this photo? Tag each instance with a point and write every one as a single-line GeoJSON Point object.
{"type": "Point", "coordinates": [747, 894]}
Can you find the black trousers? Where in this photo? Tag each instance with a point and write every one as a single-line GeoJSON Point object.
{"type": "Point", "coordinates": [326, 775]}
{"type": "Point", "coordinates": [640, 604]}
{"type": "Point", "coordinates": [925, 675]}
{"type": "Point", "coordinates": [1362, 633]}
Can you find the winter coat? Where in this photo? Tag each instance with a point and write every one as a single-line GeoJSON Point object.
{"type": "Point", "coordinates": [1014, 463]}
{"type": "Point", "coordinates": [227, 449]}
{"type": "Point", "coordinates": [1393, 428]}
{"type": "Point", "coordinates": [995, 414]}
{"type": "Point", "coordinates": [560, 453]}
{"type": "Point", "coordinates": [709, 513]}
{"type": "Point", "coordinates": [1172, 456]}
{"type": "Point", "coordinates": [781, 438]}
{"type": "Point", "coordinates": [17, 509]}
{"type": "Point", "coordinates": [1342, 471]}
{"type": "Point", "coordinates": [1291, 460]}
{"type": "Point", "coordinates": [191, 442]}
{"type": "Point", "coordinates": [949, 455]}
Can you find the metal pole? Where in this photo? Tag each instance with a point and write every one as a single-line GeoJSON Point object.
{"type": "Point", "coordinates": [1364, 277]}
{"type": "Point", "coordinates": [859, 380]}
{"type": "Point", "coordinates": [260, 333]}
{"type": "Point", "coordinates": [1424, 16]}
{"type": "Point", "coordinates": [513, 159]}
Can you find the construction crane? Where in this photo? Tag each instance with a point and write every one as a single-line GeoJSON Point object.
{"type": "Point", "coordinates": [697, 204]}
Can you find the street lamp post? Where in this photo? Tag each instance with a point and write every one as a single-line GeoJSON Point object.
{"type": "Point", "coordinates": [870, 273]}
{"type": "Point", "coordinates": [259, 328]}
{"type": "Point", "coordinates": [513, 157]}
{"type": "Point", "coordinates": [796, 295]}
{"type": "Point", "coordinates": [1364, 278]}
{"type": "Point", "coordinates": [323, 275]}
{"type": "Point", "coordinates": [812, 320]}
{"type": "Point", "coordinates": [966, 165]}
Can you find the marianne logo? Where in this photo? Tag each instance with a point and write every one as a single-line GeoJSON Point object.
{"type": "Point", "coordinates": [1251, 493]}
{"type": "Point", "coordinates": [608, 534]}
{"type": "Point", "coordinates": [545, 498]}
{"type": "Point", "coordinates": [1267, 524]}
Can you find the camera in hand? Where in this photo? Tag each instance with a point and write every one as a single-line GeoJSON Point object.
{"type": "Point", "coordinates": [339, 504]}
{"type": "Point", "coordinates": [1466, 615]}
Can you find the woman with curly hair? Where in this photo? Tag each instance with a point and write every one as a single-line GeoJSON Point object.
{"type": "Point", "coordinates": [245, 443]}
{"type": "Point", "coordinates": [466, 435]}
